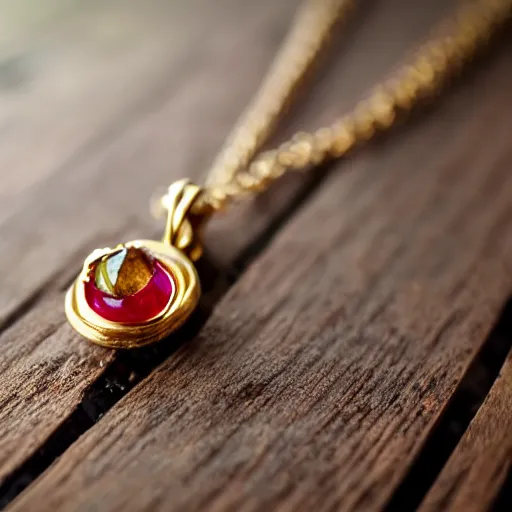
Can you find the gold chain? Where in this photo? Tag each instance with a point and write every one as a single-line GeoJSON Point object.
{"type": "Point", "coordinates": [310, 29]}
{"type": "Point", "coordinates": [239, 170]}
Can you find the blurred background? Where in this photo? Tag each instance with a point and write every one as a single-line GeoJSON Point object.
{"type": "Point", "coordinates": [75, 75]}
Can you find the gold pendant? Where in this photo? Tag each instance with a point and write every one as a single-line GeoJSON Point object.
{"type": "Point", "coordinates": [141, 291]}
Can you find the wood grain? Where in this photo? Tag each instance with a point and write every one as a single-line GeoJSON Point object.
{"type": "Point", "coordinates": [45, 368]}
{"type": "Point", "coordinates": [119, 178]}
{"type": "Point", "coordinates": [478, 467]}
{"type": "Point", "coordinates": [320, 376]}
{"type": "Point", "coordinates": [321, 373]}
{"type": "Point", "coordinates": [43, 378]}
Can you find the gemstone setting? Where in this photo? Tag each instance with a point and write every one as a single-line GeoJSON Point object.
{"type": "Point", "coordinates": [112, 274]}
{"type": "Point", "coordinates": [129, 286]}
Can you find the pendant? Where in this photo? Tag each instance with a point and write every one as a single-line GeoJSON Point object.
{"type": "Point", "coordinates": [141, 291]}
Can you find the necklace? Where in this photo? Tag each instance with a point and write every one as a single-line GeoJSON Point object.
{"type": "Point", "coordinates": [140, 291]}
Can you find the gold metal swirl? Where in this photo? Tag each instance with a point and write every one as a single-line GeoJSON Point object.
{"type": "Point", "coordinates": [183, 228]}
{"type": "Point", "coordinates": [127, 335]}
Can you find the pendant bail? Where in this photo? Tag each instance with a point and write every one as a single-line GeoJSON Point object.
{"type": "Point", "coordinates": [183, 229]}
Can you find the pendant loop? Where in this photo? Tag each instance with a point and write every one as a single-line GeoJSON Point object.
{"type": "Point", "coordinates": [183, 229]}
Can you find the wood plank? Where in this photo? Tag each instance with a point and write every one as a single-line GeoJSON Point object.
{"type": "Point", "coordinates": [39, 381]}
{"type": "Point", "coordinates": [319, 376]}
{"type": "Point", "coordinates": [477, 469]}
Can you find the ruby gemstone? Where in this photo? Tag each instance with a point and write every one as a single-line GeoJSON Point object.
{"type": "Point", "coordinates": [138, 307]}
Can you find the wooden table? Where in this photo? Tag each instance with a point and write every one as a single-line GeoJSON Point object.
{"type": "Point", "coordinates": [352, 348]}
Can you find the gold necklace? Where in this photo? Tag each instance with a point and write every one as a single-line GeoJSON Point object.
{"type": "Point", "coordinates": [141, 291]}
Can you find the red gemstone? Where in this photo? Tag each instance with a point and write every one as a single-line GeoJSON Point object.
{"type": "Point", "coordinates": [138, 307]}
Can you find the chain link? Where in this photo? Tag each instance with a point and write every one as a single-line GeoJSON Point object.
{"type": "Point", "coordinates": [240, 171]}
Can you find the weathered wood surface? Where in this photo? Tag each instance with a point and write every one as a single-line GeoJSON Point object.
{"type": "Point", "coordinates": [45, 367]}
{"type": "Point", "coordinates": [117, 180]}
{"type": "Point", "coordinates": [326, 368]}
{"type": "Point", "coordinates": [319, 376]}
{"type": "Point", "coordinates": [476, 471]}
